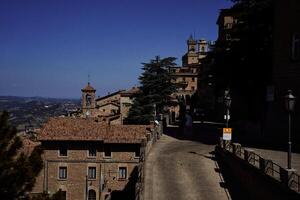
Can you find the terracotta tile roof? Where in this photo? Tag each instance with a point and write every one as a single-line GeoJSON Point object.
{"type": "Point", "coordinates": [108, 103]}
{"type": "Point", "coordinates": [80, 129]}
{"type": "Point", "coordinates": [109, 95]}
{"type": "Point", "coordinates": [130, 92]}
{"type": "Point", "coordinates": [88, 88]}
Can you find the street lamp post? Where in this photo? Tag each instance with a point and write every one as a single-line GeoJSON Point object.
{"type": "Point", "coordinates": [290, 101]}
{"type": "Point", "coordinates": [227, 102]}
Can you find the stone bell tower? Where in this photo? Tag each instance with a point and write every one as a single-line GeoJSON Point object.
{"type": "Point", "coordinates": [191, 57]}
{"type": "Point", "coordinates": [88, 100]}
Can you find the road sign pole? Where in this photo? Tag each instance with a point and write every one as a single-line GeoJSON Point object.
{"type": "Point", "coordinates": [227, 117]}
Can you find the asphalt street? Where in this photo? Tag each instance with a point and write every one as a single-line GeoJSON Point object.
{"type": "Point", "coordinates": [181, 169]}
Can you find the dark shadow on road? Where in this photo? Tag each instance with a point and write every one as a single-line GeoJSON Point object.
{"type": "Point", "coordinates": [204, 133]}
{"type": "Point", "coordinates": [203, 155]}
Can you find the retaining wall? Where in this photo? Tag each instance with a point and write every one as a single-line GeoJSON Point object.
{"type": "Point", "coordinates": [256, 177]}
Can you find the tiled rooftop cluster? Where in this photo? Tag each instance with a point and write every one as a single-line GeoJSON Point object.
{"type": "Point", "coordinates": [80, 129]}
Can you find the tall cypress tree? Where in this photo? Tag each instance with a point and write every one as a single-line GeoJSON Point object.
{"type": "Point", "coordinates": [17, 170]}
{"type": "Point", "coordinates": [155, 90]}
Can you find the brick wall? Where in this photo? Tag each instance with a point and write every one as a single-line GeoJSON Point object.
{"type": "Point", "coordinates": [77, 162]}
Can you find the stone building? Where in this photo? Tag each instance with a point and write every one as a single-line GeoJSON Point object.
{"type": "Point", "coordinates": [264, 117]}
{"type": "Point", "coordinates": [226, 20]}
{"type": "Point", "coordinates": [286, 70]}
{"type": "Point", "coordinates": [87, 159]}
{"type": "Point", "coordinates": [186, 76]}
{"type": "Point", "coordinates": [88, 100]}
{"type": "Point", "coordinates": [108, 107]}
{"type": "Point", "coordinates": [126, 101]}
{"type": "Point", "coordinates": [112, 108]}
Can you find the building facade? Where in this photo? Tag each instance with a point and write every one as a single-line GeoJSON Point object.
{"type": "Point", "coordinates": [112, 108]}
{"type": "Point", "coordinates": [286, 69]}
{"type": "Point", "coordinates": [260, 113]}
{"type": "Point", "coordinates": [186, 77]}
{"type": "Point", "coordinates": [126, 101]}
{"type": "Point", "coordinates": [90, 160]}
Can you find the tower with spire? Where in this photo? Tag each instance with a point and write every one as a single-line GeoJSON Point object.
{"type": "Point", "coordinates": [196, 50]}
{"type": "Point", "coordinates": [88, 100]}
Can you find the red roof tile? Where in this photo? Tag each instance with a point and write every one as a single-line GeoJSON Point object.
{"type": "Point", "coordinates": [80, 129]}
{"type": "Point", "coordinates": [130, 92]}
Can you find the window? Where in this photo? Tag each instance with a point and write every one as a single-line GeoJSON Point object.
{"type": "Point", "coordinates": [92, 195]}
{"type": "Point", "coordinates": [92, 172]}
{"type": "Point", "coordinates": [88, 100]}
{"type": "Point", "coordinates": [62, 173]}
{"type": "Point", "coordinates": [193, 88]}
{"type": "Point", "coordinates": [228, 37]}
{"type": "Point", "coordinates": [137, 152]}
{"type": "Point", "coordinates": [228, 26]}
{"type": "Point", "coordinates": [296, 46]}
{"type": "Point", "coordinates": [92, 151]}
{"type": "Point", "coordinates": [193, 79]}
{"type": "Point", "coordinates": [63, 151]}
{"type": "Point", "coordinates": [122, 172]}
{"type": "Point", "coordinates": [107, 152]}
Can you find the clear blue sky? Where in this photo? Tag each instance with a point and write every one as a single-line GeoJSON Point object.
{"type": "Point", "coordinates": [48, 47]}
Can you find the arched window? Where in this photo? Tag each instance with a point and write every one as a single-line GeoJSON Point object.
{"type": "Point", "coordinates": [88, 100]}
{"type": "Point", "coordinates": [92, 195]}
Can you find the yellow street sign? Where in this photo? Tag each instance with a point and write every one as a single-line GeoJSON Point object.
{"type": "Point", "coordinates": [227, 133]}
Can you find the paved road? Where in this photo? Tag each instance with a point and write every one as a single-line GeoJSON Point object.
{"type": "Point", "coordinates": [181, 169]}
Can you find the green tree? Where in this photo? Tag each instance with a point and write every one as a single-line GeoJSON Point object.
{"type": "Point", "coordinates": [155, 90]}
{"type": "Point", "coordinates": [17, 170]}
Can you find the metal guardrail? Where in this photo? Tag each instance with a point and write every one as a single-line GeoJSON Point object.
{"type": "Point", "coordinates": [295, 182]}
{"type": "Point", "coordinates": [274, 170]}
{"type": "Point", "coordinates": [267, 166]}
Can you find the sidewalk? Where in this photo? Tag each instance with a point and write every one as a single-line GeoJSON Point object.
{"type": "Point", "coordinates": [279, 157]}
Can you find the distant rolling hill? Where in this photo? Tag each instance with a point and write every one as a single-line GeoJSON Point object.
{"type": "Point", "coordinates": [34, 111]}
